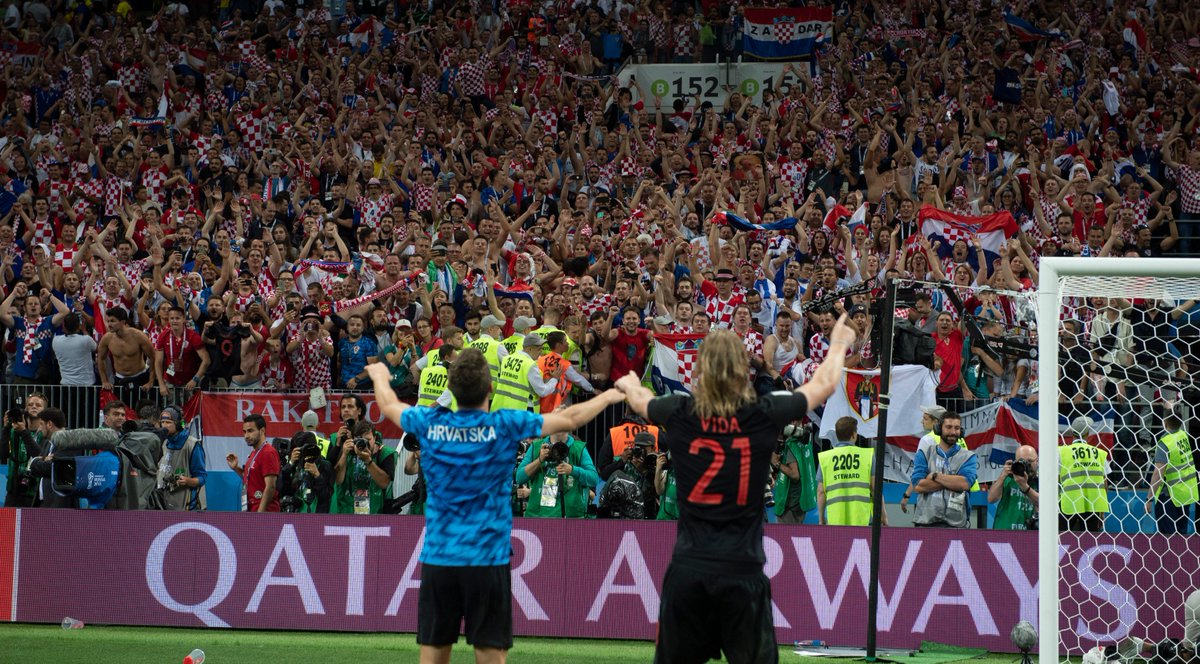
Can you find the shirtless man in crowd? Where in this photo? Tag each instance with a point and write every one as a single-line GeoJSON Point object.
{"type": "Point", "coordinates": [131, 352]}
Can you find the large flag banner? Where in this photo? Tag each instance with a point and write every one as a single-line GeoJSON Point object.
{"type": "Point", "coordinates": [674, 357]}
{"type": "Point", "coordinates": [219, 417]}
{"type": "Point", "coordinates": [993, 231]}
{"type": "Point", "coordinates": [743, 224]}
{"type": "Point", "coordinates": [995, 431]}
{"type": "Point", "coordinates": [19, 54]}
{"type": "Point", "coordinates": [1027, 32]}
{"type": "Point", "coordinates": [785, 34]}
{"type": "Point", "coordinates": [857, 396]}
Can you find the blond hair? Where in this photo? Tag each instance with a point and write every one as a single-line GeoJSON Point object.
{"type": "Point", "coordinates": [721, 384]}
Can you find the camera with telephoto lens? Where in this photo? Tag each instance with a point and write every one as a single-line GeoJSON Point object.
{"type": "Point", "coordinates": [361, 444]}
{"type": "Point", "coordinates": [410, 442]}
{"type": "Point", "coordinates": [309, 453]}
{"type": "Point", "coordinates": [558, 453]}
{"type": "Point", "coordinates": [1020, 468]}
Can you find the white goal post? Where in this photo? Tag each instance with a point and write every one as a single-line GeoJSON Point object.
{"type": "Point", "coordinates": [1165, 278]}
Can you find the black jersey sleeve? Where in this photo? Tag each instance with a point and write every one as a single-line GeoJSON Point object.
{"type": "Point", "coordinates": [660, 409]}
{"type": "Point", "coordinates": [784, 407]}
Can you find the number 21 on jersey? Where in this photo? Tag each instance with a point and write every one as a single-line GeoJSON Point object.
{"type": "Point", "coordinates": [700, 494]}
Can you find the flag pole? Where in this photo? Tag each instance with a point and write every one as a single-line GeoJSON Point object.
{"type": "Point", "coordinates": [888, 319]}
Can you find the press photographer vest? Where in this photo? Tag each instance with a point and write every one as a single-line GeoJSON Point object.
{"type": "Point", "coordinates": [846, 473]}
{"type": "Point", "coordinates": [571, 497]}
{"type": "Point", "coordinates": [622, 436]}
{"type": "Point", "coordinates": [1081, 479]}
{"type": "Point", "coordinates": [173, 463]}
{"type": "Point", "coordinates": [513, 390]}
{"type": "Point", "coordinates": [343, 493]}
{"type": "Point", "coordinates": [945, 506]}
{"type": "Point", "coordinates": [1179, 475]}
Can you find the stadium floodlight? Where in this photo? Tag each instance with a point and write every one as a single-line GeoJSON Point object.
{"type": "Point", "coordinates": [1139, 385]}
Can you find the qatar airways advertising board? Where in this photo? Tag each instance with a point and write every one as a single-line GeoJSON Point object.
{"type": "Point", "coordinates": [570, 578]}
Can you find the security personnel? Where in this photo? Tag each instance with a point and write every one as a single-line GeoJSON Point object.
{"type": "Point", "coordinates": [309, 421]}
{"type": "Point", "coordinates": [1083, 494]}
{"type": "Point", "coordinates": [844, 485]}
{"type": "Point", "coordinates": [490, 328]}
{"type": "Point", "coordinates": [521, 325]}
{"type": "Point", "coordinates": [551, 317]}
{"type": "Point", "coordinates": [435, 380]}
{"type": "Point", "coordinates": [622, 436]}
{"type": "Point", "coordinates": [1173, 467]}
{"type": "Point", "coordinates": [520, 386]}
{"type": "Point", "coordinates": [553, 359]}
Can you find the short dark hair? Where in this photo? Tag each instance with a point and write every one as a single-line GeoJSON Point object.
{"type": "Point", "coordinates": [950, 415]}
{"type": "Point", "coordinates": [54, 416]}
{"type": "Point", "coordinates": [845, 427]}
{"type": "Point", "coordinates": [114, 405]}
{"type": "Point", "coordinates": [358, 402]}
{"type": "Point", "coordinates": [555, 338]}
{"type": "Point", "coordinates": [72, 323]}
{"type": "Point", "coordinates": [118, 313]}
{"type": "Point", "coordinates": [470, 378]}
{"type": "Point", "coordinates": [257, 420]}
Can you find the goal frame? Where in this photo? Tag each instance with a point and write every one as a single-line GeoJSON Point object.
{"type": "Point", "coordinates": [1049, 301]}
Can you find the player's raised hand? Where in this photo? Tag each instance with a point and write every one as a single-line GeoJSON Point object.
{"type": "Point", "coordinates": [843, 332]}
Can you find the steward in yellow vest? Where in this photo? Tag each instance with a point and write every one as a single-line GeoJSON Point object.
{"type": "Point", "coordinates": [1174, 468]}
{"type": "Point", "coordinates": [1083, 494]}
{"type": "Point", "coordinates": [488, 343]}
{"type": "Point", "coordinates": [435, 379]}
{"type": "Point", "coordinates": [844, 486]}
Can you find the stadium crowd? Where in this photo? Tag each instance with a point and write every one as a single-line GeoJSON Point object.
{"type": "Point", "coordinates": [264, 196]}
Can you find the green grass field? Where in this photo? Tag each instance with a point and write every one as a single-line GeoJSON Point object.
{"type": "Point", "coordinates": [138, 645]}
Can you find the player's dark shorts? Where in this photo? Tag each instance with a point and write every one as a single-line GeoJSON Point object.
{"type": "Point", "coordinates": [480, 596]}
{"type": "Point", "coordinates": [703, 614]}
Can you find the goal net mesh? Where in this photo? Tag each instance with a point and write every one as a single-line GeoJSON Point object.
{"type": "Point", "coordinates": [1128, 360]}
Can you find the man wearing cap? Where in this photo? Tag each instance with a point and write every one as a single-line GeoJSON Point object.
{"type": "Point", "coordinates": [1082, 481]}
{"type": "Point", "coordinates": [721, 299]}
{"type": "Point", "coordinates": [521, 326]}
{"type": "Point", "coordinates": [181, 473]}
{"type": "Point", "coordinates": [439, 271]}
{"type": "Point", "coordinates": [521, 385]}
{"type": "Point", "coordinates": [490, 328]}
{"type": "Point", "coordinates": [309, 422]}
{"type": "Point", "coordinates": [312, 347]}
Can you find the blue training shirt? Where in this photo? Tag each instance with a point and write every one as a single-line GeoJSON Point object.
{"type": "Point", "coordinates": [468, 457]}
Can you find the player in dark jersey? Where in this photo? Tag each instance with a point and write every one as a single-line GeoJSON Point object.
{"type": "Point", "coordinates": [715, 595]}
{"type": "Point", "coordinates": [467, 457]}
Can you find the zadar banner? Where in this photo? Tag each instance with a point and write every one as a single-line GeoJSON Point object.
{"type": "Point", "coordinates": [570, 578]}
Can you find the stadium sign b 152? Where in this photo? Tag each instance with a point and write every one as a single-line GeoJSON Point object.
{"type": "Point", "coordinates": [570, 578]}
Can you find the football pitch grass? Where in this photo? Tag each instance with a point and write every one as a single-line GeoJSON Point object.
{"type": "Point", "coordinates": [152, 645]}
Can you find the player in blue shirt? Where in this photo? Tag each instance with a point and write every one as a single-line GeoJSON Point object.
{"type": "Point", "coordinates": [467, 457]}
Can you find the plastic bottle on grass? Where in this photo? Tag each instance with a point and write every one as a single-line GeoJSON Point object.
{"type": "Point", "coordinates": [71, 623]}
{"type": "Point", "coordinates": [813, 643]}
{"type": "Point", "coordinates": [194, 657]}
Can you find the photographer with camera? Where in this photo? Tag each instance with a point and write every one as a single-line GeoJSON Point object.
{"type": "Point", "coordinates": [796, 482]}
{"type": "Point", "coordinates": [629, 492]}
{"type": "Point", "coordinates": [363, 474]}
{"type": "Point", "coordinates": [19, 447]}
{"type": "Point", "coordinates": [560, 475]}
{"type": "Point", "coordinates": [306, 480]}
{"type": "Point", "coordinates": [1015, 491]}
{"type": "Point", "coordinates": [181, 470]}
{"type": "Point", "coordinates": [415, 498]}
{"type": "Point", "coordinates": [666, 488]}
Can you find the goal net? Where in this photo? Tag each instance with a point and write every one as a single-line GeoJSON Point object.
{"type": "Point", "coordinates": [1119, 350]}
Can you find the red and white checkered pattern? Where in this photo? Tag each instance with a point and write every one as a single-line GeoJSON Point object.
{"type": "Point", "coordinates": [422, 196]}
{"type": "Point", "coordinates": [313, 365]}
{"type": "Point", "coordinates": [247, 48]}
{"type": "Point", "coordinates": [252, 126]}
{"type": "Point", "coordinates": [131, 78]}
{"type": "Point", "coordinates": [64, 256]}
{"type": "Point", "coordinates": [116, 192]}
{"type": "Point", "coordinates": [94, 188]}
{"type": "Point", "coordinates": [687, 363]}
{"type": "Point", "coordinates": [753, 342]}
{"type": "Point", "coordinates": [785, 31]}
{"type": "Point", "coordinates": [1140, 207]}
{"type": "Point", "coordinates": [56, 193]}
{"type": "Point", "coordinates": [720, 312]}
{"type": "Point", "coordinates": [372, 211]}
{"type": "Point", "coordinates": [1189, 189]}
{"type": "Point", "coordinates": [601, 302]}
{"type": "Point", "coordinates": [155, 181]}
{"type": "Point", "coordinates": [471, 76]}
{"type": "Point", "coordinates": [43, 230]}
{"type": "Point", "coordinates": [242, 301]}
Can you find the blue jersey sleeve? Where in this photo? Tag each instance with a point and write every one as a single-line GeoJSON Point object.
{"type": "Point", "coordinates": [412, 420]}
